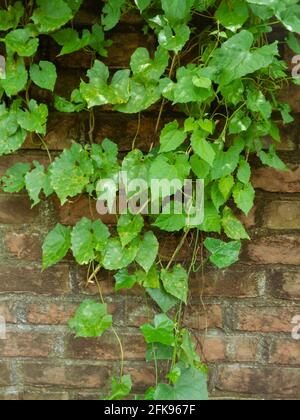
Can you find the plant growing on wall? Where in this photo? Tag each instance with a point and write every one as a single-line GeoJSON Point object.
{"type": "Point", "coordinates": [216, 66]}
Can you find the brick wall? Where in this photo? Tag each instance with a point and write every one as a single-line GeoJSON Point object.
{"type": "Point", "coordinates": [241, 317]}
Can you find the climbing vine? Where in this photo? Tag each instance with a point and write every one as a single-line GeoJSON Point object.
{"type": "Point", "coordinates": [217, 65]}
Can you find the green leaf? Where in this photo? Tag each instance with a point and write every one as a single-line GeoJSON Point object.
{"type": "Point", "coordinates": [233, 93]}
{"type": "Point", "coordinates": [163, 299]}
{"type": "Point", "coordinates": [97, 40]}
{"type": "Point", "coordinates": [235, 59]}
{"type": "Point", "coordinates": [257, 102]}
{"type": "Point", "coordinates": [232, 15]}
{"type": "Point", "coordinates": [37, 181]}
{"type": "Point", "coordinates": [187, 87]}
{"type": "Point", "coordinates": [115, 257]}
{"type": "Point", "coordinates": [112, 13]}
{"type": "Point", "coordinates": [176, 282]}
{"type": "Point", "coordinates": [142, 4]}
{"type": "Point", "coordinates": [10, 18]}
{"type": "Point", "coordinates": [157, 351]}
{"type": "Point", "coordinates": [56, 245]}
{"type": "Point", "coordinates": [22, 42]}
{"type": "Point", "coordinates": [188, 354]}
{"type": "Point", "coordinates": [148, 251]}
{"type": "Point", "coordinates": [225, 185]}
{"type": "Point", "coordinates": [192, 386]}
{"type": "Point", "coordinates": [170, 222]}
{"type": "Point", "coordinates": [202, 147]}
{"type": "Point", "coordinates": [244, 197]}
{"type": "Point", "coordinates": [223, 254]}
{"type": "Point", "coordinates": [174, 39]}
{"type": "Point", "coordinates": [212, 219]}
{"type": "Point", "coordinates": [44, 75]}
{"type": "Point", "coordinates": [293, 43]}
{"type": "Point", "coordinates": [124, 280]}
{"type": "Point", "coordinates": [16, 76]}
{"type": "Point", "coordinates": [272, 159]}
{"type": "Point", "coordinates": [146, 70]}
{"type": "Point", "coordinates": [14, 179]}
{"type": "Point", "coordinates": [35, 118]}
{"type": "Point", "coordinates": [91, 320]}
{"type": "Point", "coordinates": [239, 123]}
{"type": "Point", "coordinates": [88, 237]}
{"type": "Point", "coordinates": [97, 92]}
{"type": "Point", "coordinates": [226, 162]}
{"type": "Point", "coordinates": [49, 16]}
{"type": "Point", "coordinates": [217, 197]}
{"type": "Point", "coordinates": [200, 168]}
{"type": "Point", "coordinates": [129, 227]}
{"type": "Point", "coordinates": [12, 136]}
{"type": "Point", "coordinates": [121, 388]}
{"type": "Point", "coordinates": [162, 331]}
{"type": "Point", "coordinates": [244, 171]}
{"type": "Point", "coordinates": [69, 40]}
{"type": "Point", "coordinates": [177, 11]}
{"type": "Point", "coordinates": [233, 228]}
{"type": "Point", "coordinates": [74, 165]}
{"type": "Point", "coordinates": [171, 137]}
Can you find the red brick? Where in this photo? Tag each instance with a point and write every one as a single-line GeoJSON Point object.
{"type": "Point", "coordinates": [27, 344]}
{"type": "Point", "coordinates": [7, 161]}
{"type": "Point", "coordinates": [259, 381]}
{"type": "Point", "coordinates": [24, 246]}
{"type": "Point", "coordinates": [68, 375]}
{"type": "Point", "coordinates": [51, 313]}
{"type": "Point", "coordinates": [269, 179]}
{"type": "Point", "coordinates": [16, 209]}
{"type": "Point", "coordinates": [212, 349]}
{"type": "Point", "coordinates": [143, 376]}
{"type": "Point", "coordinates": [265, 319]}
{"type": "Point", "coordinates": [5, 373]}
{"type": "Point", "coordinates": [285, 352]}
{"type": "Point", "coordinates": [54, 281]}
{"type": "Point", "coordinates": [106, 347]}
{"type": "Point", "coordinates": [242, 349]}
{"type": "Point", "coordinates": [285, 285]}
{"type": "Point", "coordinates": [282, 215]}
{"type": "Point", "coordinates": [275, 249]}
{"type": "Point", "coordinates": [105, 278]}
{"type": "Point", "coordinates": [231, 283]}
{"type": "Point", "coordinates": [202, 318]}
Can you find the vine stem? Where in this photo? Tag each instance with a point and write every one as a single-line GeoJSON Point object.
{"type": "Point", "coordinates": [180, 245]}
{"type": "Point", "coordinates": [112, 328]}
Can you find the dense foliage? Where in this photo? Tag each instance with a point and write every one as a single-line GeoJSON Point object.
{"type": "Point", "coordinates": [214, 63]}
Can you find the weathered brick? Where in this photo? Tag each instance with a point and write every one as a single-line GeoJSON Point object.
{"type": "Point", "coordinates": [8, 310]}
{"type": "Point", "coordinates": [54, 281]}
{"type": "Point", "coordinates": [27, 344]}
{"type": "Point", "coordinates": [232, 283]}
{"type": "Point", "coordinates": [44, 395]}
{"type": "Point", "coordinates": [212, 349]}
{"type": "Point", "coordinates": [143, 376]}
{"type": "Point", "coordinates": [68, 375]}
{"type": "Point", "coordinates": [16, 209]}
{"type": "Point", "coordinates": [23, 245]}
{"type": "Point", "coordinates": [51, 313]}
{"type": "Point", "coordinates": [269, 179]}
{"type": "Point", "coordinates": [265, 319]}
{"type": "Point", "coordinates": [282, 215]}
{"type": "Point", "coordinates": [285, 352]}
{"type": "Point", "coordinates": [275, 249]}
{"type": "Point", "coordinates": [106, 347]}
{"type": "Point", "coordinates": [285, 285]}
{"type": "Point", "coordinates": [5, 373]}
{"type": "Point", "coordinates": [259, 381]}
{"type": "Point", "coordinates": [202, 318]}
{"type": "Point", "coordinates": [242, 349]}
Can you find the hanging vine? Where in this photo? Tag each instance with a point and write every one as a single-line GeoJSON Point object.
{"type": "Point", "coordinates": [213, 64]}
